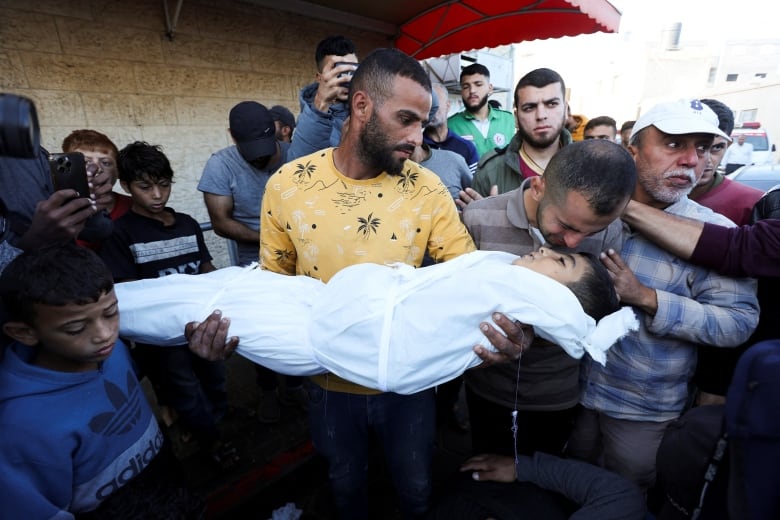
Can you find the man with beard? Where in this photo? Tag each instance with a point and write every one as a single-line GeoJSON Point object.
{"type": "Point", "coordinates": [540, 110]}
{"type": "Point", "coordinates": [487, 127]}
{"type": "Point", "coordinates": [364, 202]}
{"type": "Point", "coordinates": [628, 403]}
{"type": "Point", "coordinates": [573, 207]}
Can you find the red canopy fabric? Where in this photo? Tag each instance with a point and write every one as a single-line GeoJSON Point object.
{"type": "Point", "coordinates": [462, 25]}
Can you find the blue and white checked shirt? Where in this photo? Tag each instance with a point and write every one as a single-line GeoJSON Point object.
{"type": "Point", "coordinates": [647, 373]}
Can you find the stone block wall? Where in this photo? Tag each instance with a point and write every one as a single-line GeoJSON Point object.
{"type": "Point", "coordinates": [108, 65]}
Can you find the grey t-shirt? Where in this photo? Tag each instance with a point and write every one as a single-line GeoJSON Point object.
{"type": "Point", "coordinates": [227, 173]}
{"type": "Point", "coordinates": [451, 169]}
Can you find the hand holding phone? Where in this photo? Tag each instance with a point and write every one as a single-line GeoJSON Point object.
{"type": "Point", "coordinates": [347, 74]}
{"type": "Point", "coordinates": [69, 171]}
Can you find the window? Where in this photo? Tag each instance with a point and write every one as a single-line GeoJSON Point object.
{"type": "Point", "coordinates": [732, 77]}
{"type": "Point", "coordinates": [748, 115]}
{"type": "Point", "coordinates": [711, 75]}
{"type": "Point", "coordinates": [760, 74]}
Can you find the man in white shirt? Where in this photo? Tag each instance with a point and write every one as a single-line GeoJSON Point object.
{"type": "Point", "coordinates": [738, 154]}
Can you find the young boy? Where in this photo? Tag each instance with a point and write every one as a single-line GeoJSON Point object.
{"type": "Point", "coordinates": [298, 325]}
{"type": "Point", "coordinates": [153, 241]}
{"type": "Point", "coordinates": [78, 433]}
{"type": "Point", "coordinates": [98, 149]}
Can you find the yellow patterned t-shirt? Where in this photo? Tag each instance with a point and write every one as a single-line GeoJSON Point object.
{"type": "Point", "coordinates": [315, 221]}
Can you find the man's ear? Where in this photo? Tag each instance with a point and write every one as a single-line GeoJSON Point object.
{"type": "Point", "coordinates": [537, 188]}
{"type": "Point", "coordinates": [633, 150]}
{"type": "Point", "coordinates": [21, 332]}
{"type": "Point", "coordinates": [361, 105]}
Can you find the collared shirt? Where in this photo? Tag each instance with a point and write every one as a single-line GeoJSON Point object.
{"type": "Point", "coordinates": [548, 378]}
{"type": "Point", "coordinates": [647, 373]}
{"type": "Point", "coordinates": [500, 132]}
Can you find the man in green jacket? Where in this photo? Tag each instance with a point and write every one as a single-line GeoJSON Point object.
{"type": "Point", "coordinates": [540, 111]}
{"type": "Point", "coordinates": [488, 128]}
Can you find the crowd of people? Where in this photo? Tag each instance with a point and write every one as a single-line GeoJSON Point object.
{"type": "Point", "coordinates": [644, 283]}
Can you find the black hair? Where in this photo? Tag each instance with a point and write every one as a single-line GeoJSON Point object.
{"type": "Point", "coordinates": [595, 289]}
{"type": "Point", "coordinates": [141, 160]}
{"type": "Point", "coordinates": [601, 121]}
{"type": "Point", "coordinates": [627, 125]}
{"type": "Point", "coordinates": [333, 46]}
{"type": "Point", "coordinates": [474, 68]}
{"type": "Point", "coordinates": [540, 78]}
{"type": "Point", "coordinates": [55, 275]}
{"type": "Point", "coordinates": [378, 70]}
{"type": "Point", "coordinates": [724, 113]}
{"type": "Point", "coordinates": [601, 171]}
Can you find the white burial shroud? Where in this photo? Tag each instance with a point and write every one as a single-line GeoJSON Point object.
{"type": "Point", "coordinates": [392, 328]}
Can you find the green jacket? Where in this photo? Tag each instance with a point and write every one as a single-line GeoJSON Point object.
{"type": "Point", "coordinates": [501, 167]}
{"type": "Point", "coordinates": [502, 126]}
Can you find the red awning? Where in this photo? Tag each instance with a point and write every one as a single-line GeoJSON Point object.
{"type": "Point", "coordinates": [462, 25]}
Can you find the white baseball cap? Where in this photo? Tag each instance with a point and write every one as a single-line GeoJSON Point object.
{"type": "Point", "coordinates": [686, 116]}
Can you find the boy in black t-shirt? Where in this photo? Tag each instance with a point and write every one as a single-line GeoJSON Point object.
{"type": "Point", "coordinates": [151, 241]}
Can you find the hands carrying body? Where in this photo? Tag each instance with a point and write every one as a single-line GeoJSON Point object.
{"type": "Point", "coordinates": [518, 337]}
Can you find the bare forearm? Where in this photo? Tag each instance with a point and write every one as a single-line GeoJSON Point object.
{"type": "Point", "coordinates": [235, 230]}
{"type": "Point", "coordinates": [677, 235]}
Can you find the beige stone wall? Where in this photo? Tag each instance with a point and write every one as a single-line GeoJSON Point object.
{"type": "Point", "coordinates": [108, 65]}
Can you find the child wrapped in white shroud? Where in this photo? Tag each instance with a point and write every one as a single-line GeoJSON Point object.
{"type": "Point", "coordinates": [392, 328]}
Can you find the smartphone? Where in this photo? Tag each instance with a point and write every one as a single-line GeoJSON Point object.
{"type": "Point", "coordinates": [69, 171]}
{"type": "Point", "coordinates": [346, 74]}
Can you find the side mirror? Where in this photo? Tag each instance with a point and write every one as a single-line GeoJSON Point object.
{"type": "Point", "coordinates": [774, 148]}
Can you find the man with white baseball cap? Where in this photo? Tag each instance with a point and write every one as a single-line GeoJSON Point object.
{"type": "Point", "coordinates": [685, 116]}
{"type": "Point", "coordinates": [628, 403]}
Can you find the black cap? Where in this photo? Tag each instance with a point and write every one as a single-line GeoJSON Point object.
{"type": "Point", "coordinates": [253, 130]}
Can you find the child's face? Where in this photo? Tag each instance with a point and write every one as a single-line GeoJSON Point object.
{"type": "Point", "coordinates": [103, 159]}
{"type": "Point", "coordinates": [73, 337]}
{"type": "Point", "coordinates": [149, 195]}
{"type": "Point", "coordinates": [564, 268]}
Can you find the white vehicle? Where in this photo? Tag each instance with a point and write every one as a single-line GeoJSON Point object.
{"type": "Point", "coordinates": [763, 147]}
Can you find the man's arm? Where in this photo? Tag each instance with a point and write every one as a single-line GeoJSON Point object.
{"type": "Point", "coordinates": [698, 306]}
{"type": "Point", "coordinates": [277, 251]}
{"type": "Point", "coordinates": [598, 493]}
{"type": "Point", "coordinates": [220, 208]}
{"type": "Point", "coordinates": [675, 234]}
{"type": "Point", "coordinates": [59, 218]}
{"type": "Point", "coordinates": [322, 115]}
{"type": "Point", "coordinates": [738, 251]}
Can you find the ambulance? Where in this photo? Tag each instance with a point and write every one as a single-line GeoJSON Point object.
{"type": "Point", "coordinates": [763, 147]}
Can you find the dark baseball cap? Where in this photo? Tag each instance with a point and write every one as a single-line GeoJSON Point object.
{"type": "Point", "coordinates": [253, 130]}
{"type": "Point", "coordinates": [283, 115]}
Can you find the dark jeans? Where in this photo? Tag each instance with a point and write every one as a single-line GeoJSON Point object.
{"type": "Point", "coordinates": [404, 424]}
{"type": "Point", "coordinates": [491, 428]}
{"type": "Point", "coordinates": [192, 386]}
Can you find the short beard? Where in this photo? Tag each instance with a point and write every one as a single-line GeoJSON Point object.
{"type": "Point", "coordinates": [478, 107]}
{"type": "Point", "coordinates": [654, 188]}
{"type": "Point", "coordinates": [539, 143]}
{"type": "Point", "coordinates": [374, 150]}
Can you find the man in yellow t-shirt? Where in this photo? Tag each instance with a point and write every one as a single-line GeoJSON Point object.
{"type": "Point", "coordinates": [364, 202]}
